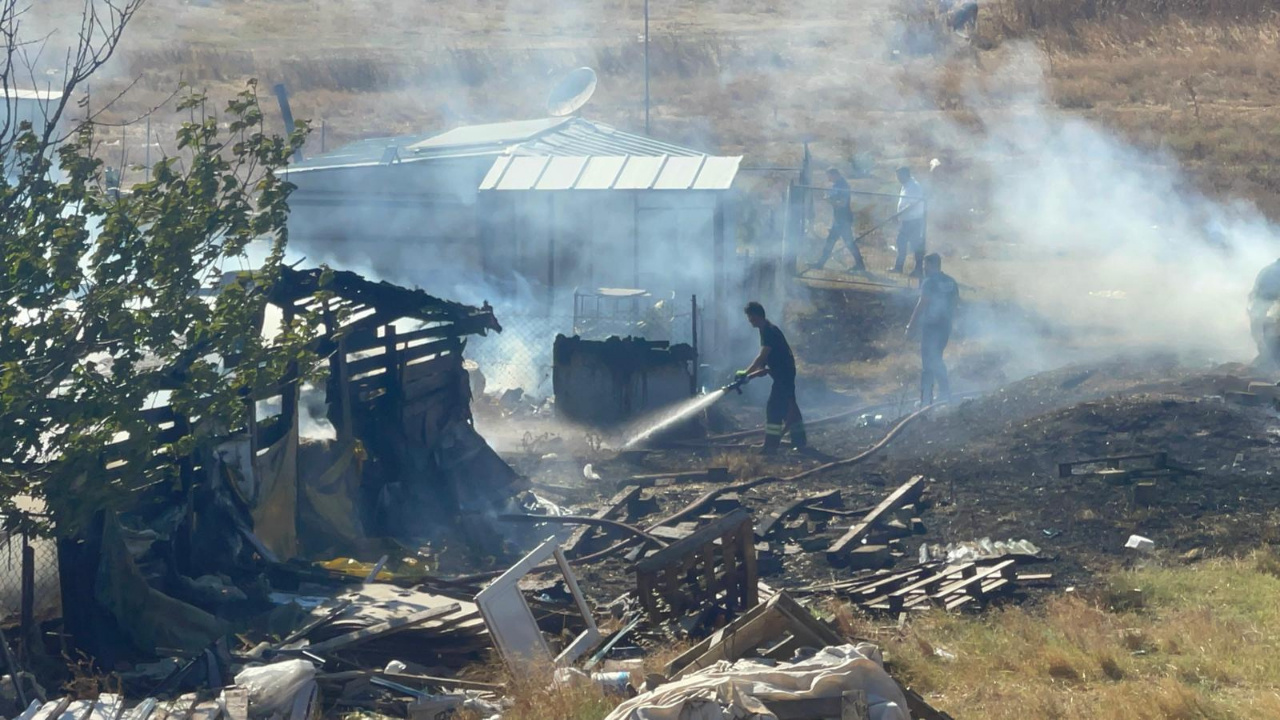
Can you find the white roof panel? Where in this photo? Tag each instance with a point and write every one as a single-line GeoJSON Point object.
{"type": "Point", "coordinates": [610, 172]}
{"type": "Point", "coordinates": [495, 172]}
{"type": "Point", "coordinates": [561, 173]}
{"type": "Point", "coordinates": [717, 173]}
{"type": "Point", "coordinates": [679, 173]}
{"type": "Point", "coordinates": [24, 94]}
{"type": "Point", "coordinates": [601, 172]}
{"type": "Point", "coordinates": [639, 173]}
{"type": "Point", "coordinates": [523, 173]}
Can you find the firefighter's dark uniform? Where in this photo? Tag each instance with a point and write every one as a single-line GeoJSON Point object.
{"type": "Point", "coordinates": [782, 414]}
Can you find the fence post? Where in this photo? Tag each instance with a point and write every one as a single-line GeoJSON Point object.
{"type": "Point", "coordinates": [28, 629]}
{"type": "Point", "coordinates": [697, 357]}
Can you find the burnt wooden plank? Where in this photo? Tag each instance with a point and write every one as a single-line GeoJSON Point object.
{"type": "Point", "coordinates": [979, 576]}
{"type": "Point", "coordinates": [910, 490]}
{"type": "Point", "coordinates": [612, 511]}
{"type": "Point", "coordinates": [386, 627]}
{"type": "Point", "coordinates": [706, 534]}
{"type": "Point", "coordinates": [765, 528]}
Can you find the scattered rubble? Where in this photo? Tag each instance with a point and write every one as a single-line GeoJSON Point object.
{"type": "Point", "coordinates": [378, 570]}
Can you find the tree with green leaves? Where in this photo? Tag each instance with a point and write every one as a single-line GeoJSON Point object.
{"type": "Point", "coordinates": [104, 294]}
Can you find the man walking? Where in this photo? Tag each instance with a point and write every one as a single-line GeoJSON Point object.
{"type": "Point", "coordinates": [939, 295]}
{"type": "Point", "coordinates": [910, 221]}
{"type": "Point", "coordinates": [841, 221]}
{"type": "Point", "coordinates": [782, 414]}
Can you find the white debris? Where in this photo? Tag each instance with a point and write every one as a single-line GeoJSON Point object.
{"type": "Point", "coordinates": [1141, 544]}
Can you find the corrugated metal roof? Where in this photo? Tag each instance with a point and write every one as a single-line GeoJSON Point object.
{"type": "Point", "coordinates": [549, 154]}
{"type": "Point", "coordinates": [504, 133]}
{"type": "Point", "coordinates": [585, 138]}
{"type": "Point", "coordinates": [547, 137]}
{"type": "Point", "coordinates": [360, 153]}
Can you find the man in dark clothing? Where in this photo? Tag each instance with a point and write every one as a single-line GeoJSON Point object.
{"type": "Point", "coordinates": [939, 295]}
{"type": "Point", "coordinates": [911, 220]}
{"type": "Point", "coordinates": [782, 414]}
{"type": "Point", "coordinates": [841, 221]}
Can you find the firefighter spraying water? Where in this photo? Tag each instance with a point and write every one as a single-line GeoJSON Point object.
{"type": "Point", "coordinates": [782, 414]}
{"type": "Point", "coordinates": [671, 417]}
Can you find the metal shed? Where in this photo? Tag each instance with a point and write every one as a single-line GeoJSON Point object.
{"type": "Point", "coordinates": [547, 205]}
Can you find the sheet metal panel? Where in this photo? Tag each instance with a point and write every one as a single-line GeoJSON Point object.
{"type": "Point", "coordinates": [561, 173]}
{"type": "Point", "coordinates": [639, 173]}
{"type": "Point", "coordinates": [495, 173]}
{"type": "Point", "coordinates": [717, 173]}
{"type": "Point", "coordinates": [523, 173]}
{"type": "Point", "coordinates": [503, 133]}
{"type": "Point", "coordinates": [600, 173]}
{"type": "Point", "coordinates": [679, 173]}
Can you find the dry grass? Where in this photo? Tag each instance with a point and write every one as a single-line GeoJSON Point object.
{"type": "Point", "coordinates": [742, 465]}
{"type": "Point", "coordinates": [535, 697]}
{"type": "Point", "coordinates": [1192, 642]}
{"type": "Point", "coordinates": [1184, 642]}
{"type": "Point", "coordinates": [1023, 16]}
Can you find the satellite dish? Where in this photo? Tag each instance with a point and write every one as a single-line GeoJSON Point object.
{"type": "Point", "coordinates": [572, 93]}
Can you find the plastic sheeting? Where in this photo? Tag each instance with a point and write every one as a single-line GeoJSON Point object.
{"type": "Point", "coordinates": [976, 550]}
{"type": "Point", "coordinates": [149, 619]}
{"type": "Point", "coordinates": [742, 690]}
{"type": "Point", "coordinates": [275, 508]}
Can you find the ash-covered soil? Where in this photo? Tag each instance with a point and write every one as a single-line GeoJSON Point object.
{"type": "Point", "coordinates": [994, 461]}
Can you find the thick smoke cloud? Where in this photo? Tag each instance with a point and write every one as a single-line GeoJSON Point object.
{"type": "Point", "coordinates": [1103, 238]}
{"type": "Point", "coordinates": [1120, 245]}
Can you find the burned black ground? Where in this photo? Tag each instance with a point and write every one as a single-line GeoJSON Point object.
{"type": "Point", "coordinates": [993, 465]}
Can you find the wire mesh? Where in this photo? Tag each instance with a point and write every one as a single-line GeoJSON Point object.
{"type": "Point", "coordinates": [46, 594]}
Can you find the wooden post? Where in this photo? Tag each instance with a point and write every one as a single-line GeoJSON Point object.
{"type": "Point", "coordinates": [751, 583]}
{"type": "Point", "coordinates": [393, 368]}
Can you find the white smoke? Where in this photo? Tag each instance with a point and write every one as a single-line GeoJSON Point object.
{"type": "Point", "coordinates": [1112, 239]}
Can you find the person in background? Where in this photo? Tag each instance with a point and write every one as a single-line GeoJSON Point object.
{"type": "Point", "coordinates": [910, 222]}
{"type": "Point", "coordinates": [841, 221]}
{"type": "Point", "coordinates": [782, 414]}
{"type": "Point", "coordinates": [1264, 301]}
{"type": "Point", "coordinates": [961, 16]}
{"type": "Point", "coordinates": [939, 296]}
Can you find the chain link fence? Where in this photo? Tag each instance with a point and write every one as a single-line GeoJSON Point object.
{"type": "Point", "coordinates": [521, 355]}
{"type": "Point", "coordinates": [28, 577]}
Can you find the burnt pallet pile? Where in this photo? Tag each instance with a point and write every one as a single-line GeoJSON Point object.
{"type": "Point", "coordinates": [937, 584]}
{"type": "Point", "coordinates": [1142, 473]}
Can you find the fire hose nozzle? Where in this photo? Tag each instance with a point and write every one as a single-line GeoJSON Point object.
{"type": "Point", "coordinates": [737, 384]}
